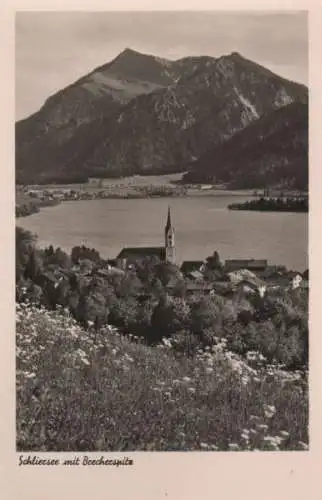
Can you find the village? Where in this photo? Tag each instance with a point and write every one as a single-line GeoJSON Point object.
{"type": "Point", "coordinates": [204, 277]}
{"type": "Point", "coordinates": [99, 189]}
{"type": "Point", "coordinates": [201, 277]}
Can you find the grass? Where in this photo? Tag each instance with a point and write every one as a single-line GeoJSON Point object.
{"type": "Point", "coordinates": [80, 390]}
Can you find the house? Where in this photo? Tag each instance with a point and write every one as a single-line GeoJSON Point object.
{"type": "Point", "coordinates": [251, 264]}
{"type": "Point", "coordinates": [190, 266]}
{"type": "Point", "coordinates": [93, 181]}
{"type": "Point", "coordinates": [166, 253]}
{"type": "Point", "coordinates": [250, 288]}
{"type": "Point", "coordinates": [104, 273]}
{"type": "Point", "coordinates": [223, 288]}
{"type": "Point", "coordinates": [246, 287]}
{"type": "Point", "coordinates": [244, 275]}
{"type": "Point", "coordinates": [296, 281]}
{"type": "Point", "coordinates": [196, 275]}
{"type": "Point", "coordinates": [272, 271]}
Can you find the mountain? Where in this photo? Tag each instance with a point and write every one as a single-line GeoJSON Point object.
{"type": "Point", "coordinates": [143, 114]}
{"type": "Point", "coordinates": [70, 120]}
{"type": "Point", "coordinates": [271, 152]}
{"type": "Point", "coordinates": [171, 127]}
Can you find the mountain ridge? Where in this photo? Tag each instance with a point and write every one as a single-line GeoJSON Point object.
{"type": "Point", "coordinates": [139, 113]}
{"type": "Point", "coordinates": [277, 142]}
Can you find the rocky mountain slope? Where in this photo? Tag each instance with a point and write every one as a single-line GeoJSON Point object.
{"type": "Point", "coordinates": [71, 120]}
{"type": "Point", "coordinates": [142, 114]}
{"type": "Point", "coordinates": [273, 151]}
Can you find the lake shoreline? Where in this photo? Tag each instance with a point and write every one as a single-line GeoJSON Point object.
{"type": "Point", "coordinates": [33, 206]}
{"type": "Point", "coordinates": [202, 225]}
{"type": "Point", "coordinates": [288, 205]}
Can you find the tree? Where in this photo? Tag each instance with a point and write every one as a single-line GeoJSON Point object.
{"type": "Point", "coordinates": [143, 317]}
{"type": "Point", "coordinates": [92, 307]}
{"type": "Point", "coordinates": [61, 258]}
{"type": "Point", "coordinates": [25, 244]}
{"type": "Point", "coordinates": [180, 289]}
{"type": "Point", "coordinates": [167, 272]}
{"type": "Point", "coordinates": [79, 253]}
{"type": "Point", "coordinates": [49, 251]}
{"type": "Point", "coordinates": [127, 285]}
{"type": "Point", "coordinates": [169, 317]}
{"type": "Point", "coordinates": [213, 262]}
{"type": "Point", "coordinates": [123, 312]}
{"type": "Point", "coordinates": [86, 266]}
{"type": "Point", "coordinates": [56, 257]}
{"type": "Point", "coordinates": [33, 266]}
{"type": "Point", "coordinates": [205, 315]}
{"type": "Point", "coordinates": [161, 320]}
{"type": "Point", "coordinates": [146, 268]}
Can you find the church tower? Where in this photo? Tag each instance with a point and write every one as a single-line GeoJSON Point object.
{"type": "Point", "coordinates": [169, 240]}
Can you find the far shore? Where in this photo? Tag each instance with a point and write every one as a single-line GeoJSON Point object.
{"type": "Point", "coordinates": [32, 198]}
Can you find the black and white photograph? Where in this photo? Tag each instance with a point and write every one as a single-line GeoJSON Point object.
{"type": "Point", "coordinates": [161, 231]}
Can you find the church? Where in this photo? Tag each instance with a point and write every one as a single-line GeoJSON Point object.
{"type": "Point", "coordinates": [166, 253]}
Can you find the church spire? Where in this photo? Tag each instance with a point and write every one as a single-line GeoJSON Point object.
{"type": "Point", "coordinates": [168, 225]}
{"type": "Point", "coordinates": [169, 240]}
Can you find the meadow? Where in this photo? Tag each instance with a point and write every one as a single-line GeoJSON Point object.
{"type": "Point", "coordinates": [81, 389]}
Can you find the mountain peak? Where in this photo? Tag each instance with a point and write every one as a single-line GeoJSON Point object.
{"type": "Point", "coordinates": [128, 52]}
{"type": "Point", "coordinates": [131, 53]}
{"type": "Point", "coordinates": [235, 56]}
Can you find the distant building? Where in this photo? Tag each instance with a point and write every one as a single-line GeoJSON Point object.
{"type": "Point", "coordinates": [250, 264]}
{"type": "Point", "coordinates": [93, 181]}
{"type": "Point", "coordinates": [244, 275]}
{"type": "Point", "coordinates": [296, 281]}
{"type": "Point", "coordinates": [130, 255]}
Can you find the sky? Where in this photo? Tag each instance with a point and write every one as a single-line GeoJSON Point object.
{"type": "Point", "coordinates": [53, 49]}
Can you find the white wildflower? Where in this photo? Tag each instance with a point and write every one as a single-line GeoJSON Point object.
{"type": "Point", "coordinates": [303, 445]}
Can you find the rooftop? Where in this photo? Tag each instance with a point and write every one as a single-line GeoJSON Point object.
{"type": "Point", "coordinates": [142, 252]}
{"type": "Point", "coordinates": [246, 263]}
{"type": "Point", "coordinates": [191, 265]}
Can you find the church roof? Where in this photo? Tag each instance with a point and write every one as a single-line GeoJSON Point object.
{"type": "Point", "coordinates": [140, 252]}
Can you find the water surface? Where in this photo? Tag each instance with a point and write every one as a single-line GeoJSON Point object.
{"type": "Point", "coordinates": [202, 224]}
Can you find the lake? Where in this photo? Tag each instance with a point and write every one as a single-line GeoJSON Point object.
{"type": "Point", "coordinates": [202, 224]}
